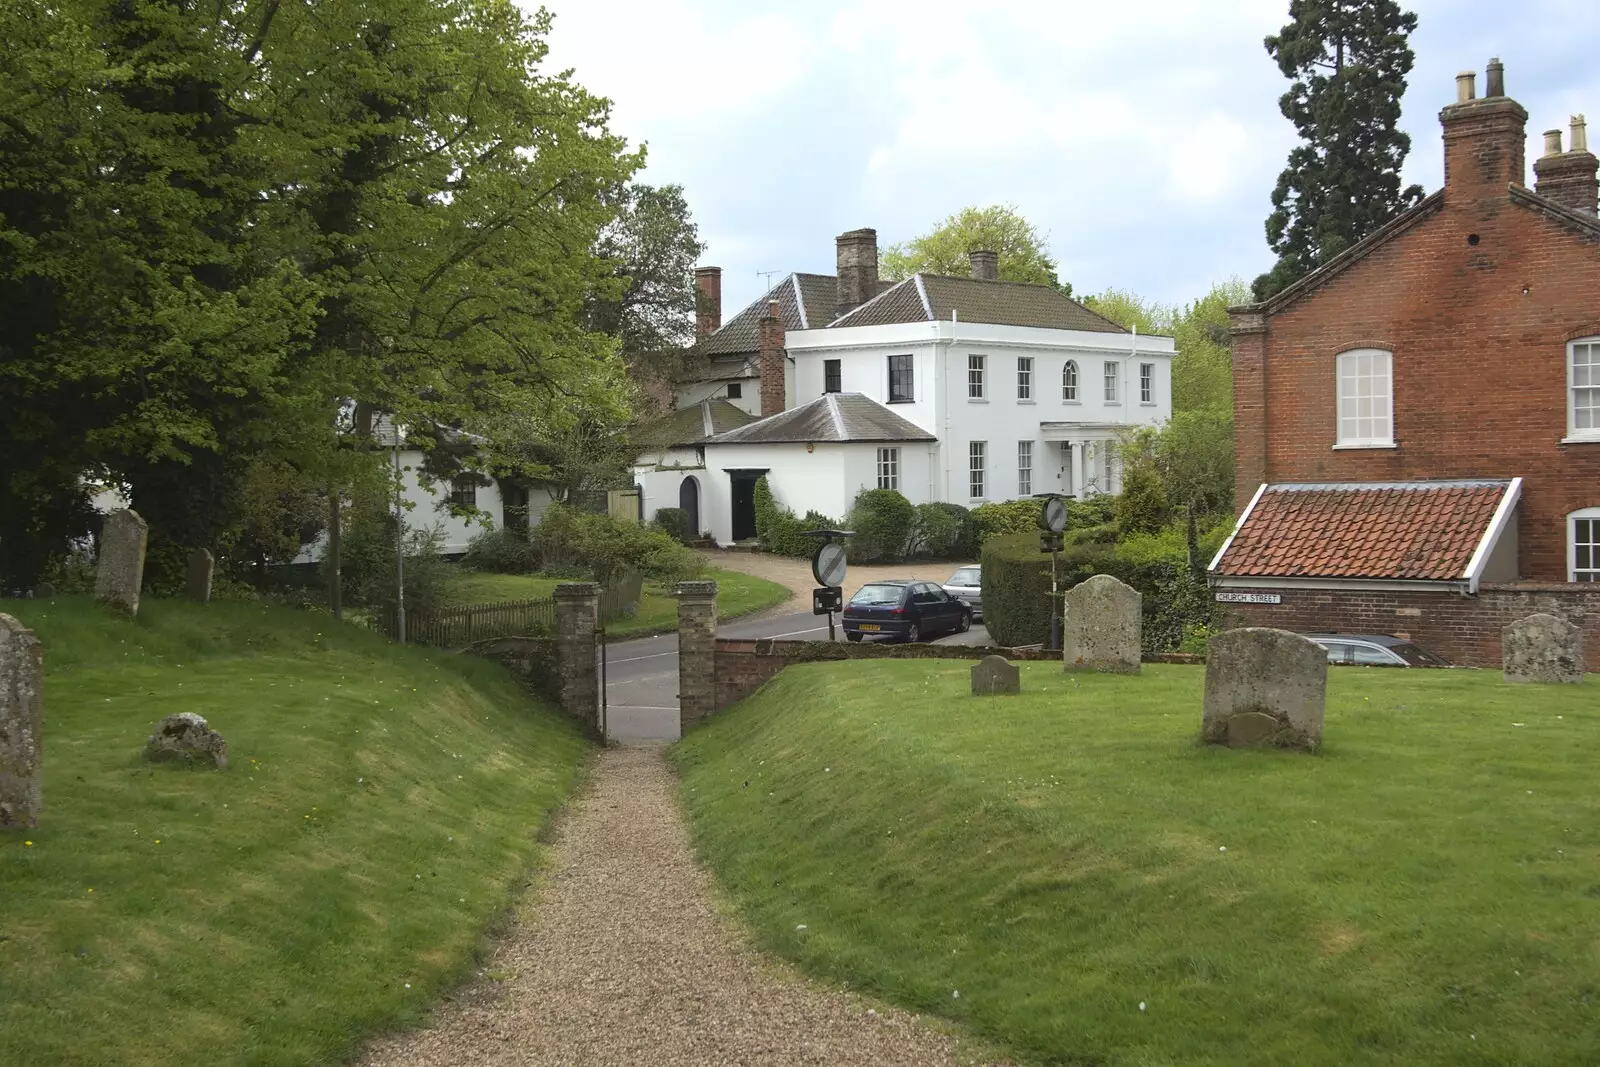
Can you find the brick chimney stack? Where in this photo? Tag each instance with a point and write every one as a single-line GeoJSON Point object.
{"type": "Point", "coordinates": [857, 258]}
{"type": "Point", "coordinates": [770, 345]}
{"type": "Point", "coordinates": [1568, 178]}
{"type": "Point", "coordinates": [985, 264]}
{"type": "Point", "coordinates": [708, 301]}
{"type": "Point", "coordinates": [1483, 139]}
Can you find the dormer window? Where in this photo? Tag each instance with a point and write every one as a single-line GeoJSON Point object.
{"type": "Point", "coordinates": [1365, 399]}
{"type": "Point", "coordinates": [1583, 389]}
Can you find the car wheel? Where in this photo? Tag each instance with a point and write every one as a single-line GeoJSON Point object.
{"type": "Point", "coordinates": [913, 635]}
{"type": "Point", "coordinates": [852, 637]}
{"type": "Point", "coordinates": [966, 621]}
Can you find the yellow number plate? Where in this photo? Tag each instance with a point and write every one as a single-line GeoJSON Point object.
{"type": "Point", "coordinates": [870, 626]}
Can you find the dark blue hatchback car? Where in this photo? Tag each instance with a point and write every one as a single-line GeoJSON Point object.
{"type": "Point", "coordinates": [904, 609]}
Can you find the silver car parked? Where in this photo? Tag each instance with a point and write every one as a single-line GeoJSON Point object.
{"type": "Point", "coordinates": [966, 585]}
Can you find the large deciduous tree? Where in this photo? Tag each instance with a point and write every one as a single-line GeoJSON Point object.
{"type": "Point", "coordinates": [1347, 61]}
{"type": "Point", "coordinates": [998, 228]}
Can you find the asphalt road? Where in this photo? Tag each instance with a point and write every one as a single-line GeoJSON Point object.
{"type": "Point", "coordinates": [642, 675]}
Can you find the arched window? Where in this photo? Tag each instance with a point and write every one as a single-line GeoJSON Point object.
{"type": "Point", "coordinates": [1583, 545]}
{"type": "Point", "coordinates": [1583, 388]}
{"type": "Point", "coordinates": [1366, 399]}
{"type": "Point", "coordinates": [1069, 381]}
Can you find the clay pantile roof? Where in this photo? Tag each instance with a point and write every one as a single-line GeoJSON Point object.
{"type": "Point", "coordinates": [838, 417]}
{"type": "Point", "coordinates": [935, 297]}
{"type": "Point", "coordinates": [1411, 531]}
{"type": "Point", "coordinates": [691, 425]}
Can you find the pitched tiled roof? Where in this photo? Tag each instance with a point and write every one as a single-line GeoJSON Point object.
{"type": "Point", "coordinates": [691, 425]}
{"type": "Point", "coordinates": [1414, 531]}
{"type": "Point", "coordinates": [805, 302]}
{"type": "Point", "coordinates": [930, 297]}
{"type": "Point", "coordinates": [830, 417]}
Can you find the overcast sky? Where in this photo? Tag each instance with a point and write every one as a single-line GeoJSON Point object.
{"type": "Point", "coordinates": [1142, 135]}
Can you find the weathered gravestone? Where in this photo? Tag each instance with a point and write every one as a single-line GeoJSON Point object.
{"type": "Point", "coordinates": [1542, 648]}
{"type": "Point", "coordinates": [993, 675]}
{"type": "Point", "coordinates": [197, 578]}
{"type": "Point", "coordinates": [185, 738]}
{"type": "Point", "coordinates": [1264, 687]}
{"type": "Point", "coordinates": [119, 572]}
{"type": "Point", "coordinates": [21, 725]}
{"type": "Point", "coordinates": [1102, 626]}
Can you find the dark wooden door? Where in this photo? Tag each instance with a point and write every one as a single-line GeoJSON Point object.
{"type": "Point", "coordinates": [744, 508]}
{"type": "Point", "coordinates": [689, 501]}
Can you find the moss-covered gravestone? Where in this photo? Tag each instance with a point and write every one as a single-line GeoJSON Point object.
{"type": "Point", "coordinates": [119, 570]}
{"type": "Point", "coordinates": [1264, 687]}
{"type": "Point", "coordinates": [994, 675]}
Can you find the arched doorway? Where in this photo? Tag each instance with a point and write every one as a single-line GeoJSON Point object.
{"type": "Point", "coordinates": [689, 501]}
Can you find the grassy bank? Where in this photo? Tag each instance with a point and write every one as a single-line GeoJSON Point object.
{"type": "Point", "coordinates": [380, 810]}
{"type": "Point", "coordinates": [1101, 890]}
{"type": "Point", "coordinates": [737, 594]}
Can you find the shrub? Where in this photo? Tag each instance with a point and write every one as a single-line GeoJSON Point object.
{"type": "Point", "coordinates": [1141, 507]}
{"type": "Point", "coordinates": [881, 519]}
{"type": "Point", "coordinates": [501, 551]}
{"type": "Point", "coordinates": [1004, 517]}
{"type": "Point", "coordinates": [780, 532]}
{"type": "Point", "coordinates": [675, 521]}
{"type": "Point", "coordinates": [941, 531]}
{"type": "Point", "coordinates": [606, 546]}
{"type": "Point", "coordinates": [1016, 589]}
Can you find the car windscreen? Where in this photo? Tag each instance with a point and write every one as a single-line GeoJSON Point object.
{"type": "Point", "coordinates": [965, 576]}
{"type": "Point", "coordinates": [878, 594]}
{"type": "Point", "coordinates": [1417, 656]}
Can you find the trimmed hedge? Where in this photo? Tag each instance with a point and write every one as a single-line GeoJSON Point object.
{"type": "Point", "coordinates": [1016, 589]}
{"type": "Point", "coordinates": [881, 519]}
{"type": "Point", "coordinates": [1004, 517]}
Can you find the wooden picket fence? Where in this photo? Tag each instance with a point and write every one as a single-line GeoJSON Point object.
{"type": "Point", "coordinates": [456, 627]}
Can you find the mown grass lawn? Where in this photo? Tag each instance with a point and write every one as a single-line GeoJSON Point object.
{"type": "Point", "coordinates": [1099, 889]}
{"type": "Point", "coordinates": [737, 594]}
{"type": "Point", "coordinates": [380, 810]}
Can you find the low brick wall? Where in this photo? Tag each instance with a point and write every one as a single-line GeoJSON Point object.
{"type": "Point", "coordinates": [534, 661]}
{"type": "Point", "coordinates": [1463, 629]}
{"type": "Point", "coordinates": [744, 665]}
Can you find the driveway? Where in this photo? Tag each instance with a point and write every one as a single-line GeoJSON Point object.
{"type": "Point", "coordinates": [796, 573]}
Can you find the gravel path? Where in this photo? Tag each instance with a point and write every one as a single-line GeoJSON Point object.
{"type": "Point", "coordinates": [796, 573]}
{"type": "Point", "coordinates": [620, 958]}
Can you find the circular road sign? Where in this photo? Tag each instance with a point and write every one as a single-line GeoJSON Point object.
{"type": "Point", "coordinates": [1054, 514]}
{"type": "Point", "coordinates": [827, 564]}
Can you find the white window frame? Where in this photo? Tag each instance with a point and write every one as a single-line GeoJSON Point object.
{"type": "Point", "coordinates": [1069, 382]}
{"type": "Point", "coordinates": [464, 491]}
{"type": "Point", "coordinates": [977, 469]}
{"type": "Point", "coordinates": [1583, 515]}
{"type": "Point", "coordinates": [1591, 347]}
{"type": "Point", "coordinates": [1147, 383]}
{"type": "Point", "coordinates": [1025, 378]}
{"type": "Point", "coordinates": [1354, 438]}
{"type": "Point", "coordinates": [977, 377]}
{"type": "Point", "coordinates": [888, 468]}
{"type": "Point", "coordinates": [1024, 468]}
{"type": "Point", "coordinates": [1112, 375]}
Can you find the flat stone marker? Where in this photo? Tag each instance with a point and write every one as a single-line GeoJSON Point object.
{"type": "Point", "coordinates": [185, 738]}
{"type": "Point", "coordinates": [1102, 626]}
{"type": "Point", "coordinates": [21, 725]}
{"type": "Point", "coordinates": [994, 675]}
{"type": "Point", "coordinates": [197, 578]}
{"type": "Point", "coordinates": [1264, 687]}
{"type": "Point", "coordinates": [1542, 648]}
{"type": "Point", "coordinates": [119, 572]}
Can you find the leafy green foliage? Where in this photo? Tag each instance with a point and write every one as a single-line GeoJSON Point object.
{"type": "Point", "coordinates": [1016, 589]}
{"type": "Point", "coordinates": [606, 546]}
{"type": "Point", "coordinates": [1141, 506]}
{"type": "Point", "coordinates": [999, 228]}
{"type": "Point", "coordinates": [881, 520]}
{"type": "Point", "coordinates": [780, 532]}
{"type": "Point", "coordinates": [1347, 62]}
{"type": "Point", "coordinates": [1004, 517]}
{"type": "Point", "coordinates": [942, 531]}
{"type": "Point", "coordinates": [500, 551]}
{"type": "Point", "coordinates": [676, 522]}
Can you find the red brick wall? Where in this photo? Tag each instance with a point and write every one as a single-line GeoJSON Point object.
{"type": "Point", "coordinates": [1478, 333]}
{"type": "Point", "coordinates": [1464, 630]}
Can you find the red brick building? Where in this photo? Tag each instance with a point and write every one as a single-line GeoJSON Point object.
{"type": "Point", "coordinates": [1417, 422]}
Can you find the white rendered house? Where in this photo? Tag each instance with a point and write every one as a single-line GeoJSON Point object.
{"type": "Point", "coordinates": [960, 390]}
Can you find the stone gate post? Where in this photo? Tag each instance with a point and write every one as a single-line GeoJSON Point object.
{"type": "Point", "coordinates": [697, 655]}
{"type": "Point", "coordinates": [577, 617]}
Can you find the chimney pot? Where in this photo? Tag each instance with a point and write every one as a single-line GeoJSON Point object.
{"type": "Point", "coordinates": [1495, 79]}
{"type": "Point", "coordinates": [708, 302]}
{"type": "Point", "coordinates": [985, 264]}
{"type": "Point", "coordinates": [1580, 134]}
{"type": "Point", "coordinates": [856, 255]}
{"type": "Point", "coordinates": [1466, 86]}
{"type": "Point", "coordinates": [1552, 142]}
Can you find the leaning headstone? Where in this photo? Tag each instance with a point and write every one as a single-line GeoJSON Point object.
{"type": "Point", "coordinates": [993, 675]}
{"type": "Point", "coordinates": [185, 738]}
{"type": "Point", "coordinates": [119, 571]}
{"type": "Point", "coordinates": [1264, 687]}
{"type": "Point", "coordinates": [44, 591]}
{"type": "Point", "coordinates": [1542, 648]}
{"type": "Point", "coordinates": [197, 578]}
{"type": "Point", "coordinates": [21, 725]}
{"type": "Point", "coordinates": [1102, 626]}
